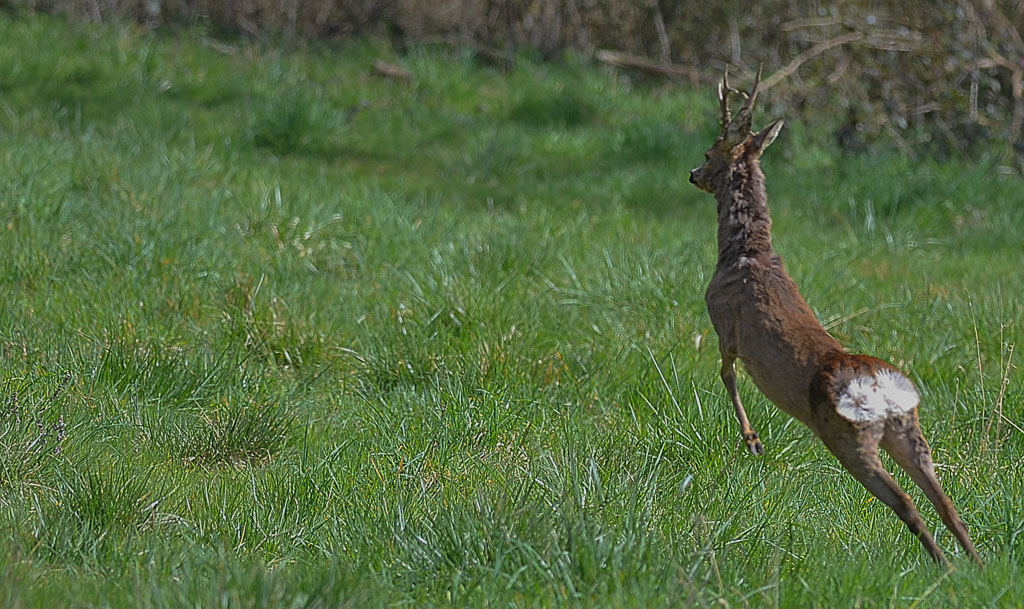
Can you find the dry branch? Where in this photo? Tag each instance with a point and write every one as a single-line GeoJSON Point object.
{"type": "Point", "coordinates": [642, 64]}
{"type": "Point", "coordinates": [390, 70]}
{"type": "Point", "coordinates": [798, 24]}
{"type": "Point", "coordinates": [810, 53]}
{"type": "Point", "coordinates": [663, 41]}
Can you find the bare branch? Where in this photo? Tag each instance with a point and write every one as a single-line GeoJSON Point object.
{"type": "Point", "coordinates": [663, 40]}
{"type": "Point", "coordinates": [642, 64]}
{"type": "Point", "coordinates": [390, 70]}
{"type": "Point", "coordinates": [799, 24]}
{"type": "Point", "coordinates": [810, 53]}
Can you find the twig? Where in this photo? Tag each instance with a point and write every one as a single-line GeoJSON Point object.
{"type": "Point", "coordinates": [893, 42]}
{"type": "Point", "coordinates": [734, 39]}
{"type": "Point", "coordinates": [642, 64]}
{"type": "Point", "coordinates": [844, 63]}
{"type": "Point", "coordinates": [223, 49]}
{"type": "Point", "coordinates": [799, 24]}
{"type": "Point", "coordinates": [390, 70]}
{"type": "Point", "coordinates": [881, 41]}
{"type": "Point", "coordinates": [972, 104]}
{"type": "Point", "coordinates": [810, 53]}
{"type": "Point", "coordinates": [900, 142]}
{"type": "Point", "coordinates": [659, 24]}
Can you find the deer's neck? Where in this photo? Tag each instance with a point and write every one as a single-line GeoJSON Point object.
{"type": "Point", "coordinates": [744, 225]}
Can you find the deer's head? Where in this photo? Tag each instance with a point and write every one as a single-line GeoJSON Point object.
{"type": "Point", "coordinates": [736, 143]}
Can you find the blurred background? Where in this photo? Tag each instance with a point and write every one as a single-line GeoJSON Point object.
{"type": "Point", "coordinates": [940, 78]}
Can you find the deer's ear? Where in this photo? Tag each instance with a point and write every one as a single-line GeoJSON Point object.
{"type": "Point", "coordinates": [763, 138]}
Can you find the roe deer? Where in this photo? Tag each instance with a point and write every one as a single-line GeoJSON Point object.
{"type": "Point", "coordinates": [853, 403]}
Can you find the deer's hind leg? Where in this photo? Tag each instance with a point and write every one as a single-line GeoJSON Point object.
{"type": "Point", "coordinates": [856, 447]}
{"type": "Point", "coordinates": [906, 445]}
{"type": "Point", "coordinates": [729, 380]}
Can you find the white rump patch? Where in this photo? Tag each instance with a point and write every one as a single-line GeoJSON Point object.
{"type": "Point", "coordinates": [870, 398]}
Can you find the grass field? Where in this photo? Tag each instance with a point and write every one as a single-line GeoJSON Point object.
{"type": "Point", "coordinates": [277, 333]}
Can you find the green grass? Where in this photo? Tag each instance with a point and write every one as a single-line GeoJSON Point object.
{"type": "Point", "coordinates": [277, 333]}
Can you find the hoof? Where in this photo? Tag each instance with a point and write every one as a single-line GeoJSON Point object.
{"type": "Point", "coordinates": [753, 443]}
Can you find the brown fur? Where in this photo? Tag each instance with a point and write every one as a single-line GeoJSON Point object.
{"type": "Point", "coordinates": [762, 320]}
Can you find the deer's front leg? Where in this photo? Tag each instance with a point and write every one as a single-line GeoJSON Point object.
{"type": "Point", "coordinates": [729, 378]}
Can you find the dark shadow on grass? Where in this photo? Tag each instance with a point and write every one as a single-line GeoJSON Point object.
{"type": "Point", "coordinates": [565, 108]}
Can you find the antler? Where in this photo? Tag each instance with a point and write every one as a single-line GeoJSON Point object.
{"type": "Point", "coordinates": [735, 130]}
{"type": "Point", "coordinates": [723, 98]}
{"type": "Point", "coordinates": [753, 92]}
